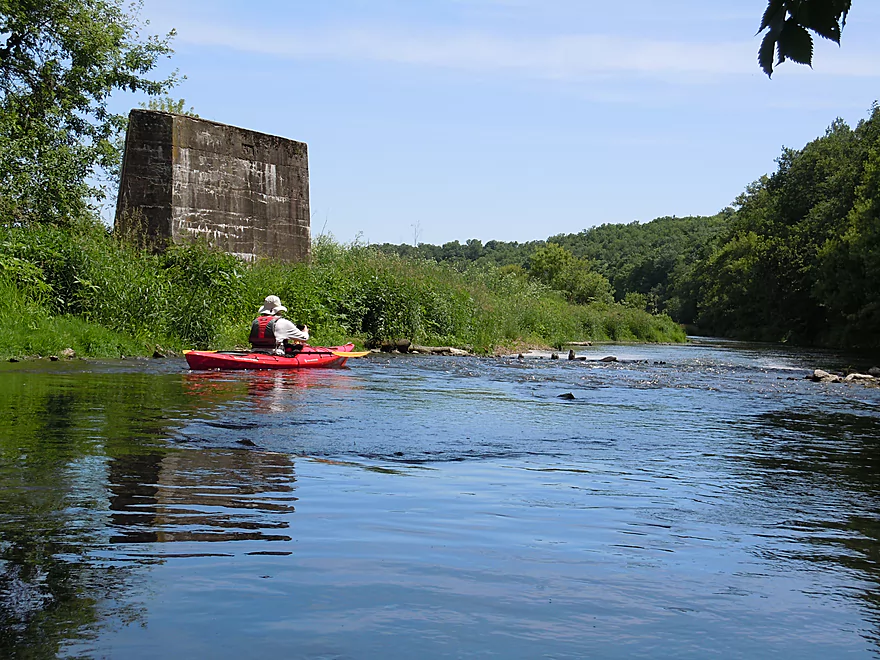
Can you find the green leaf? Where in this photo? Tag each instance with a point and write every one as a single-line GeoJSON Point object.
{"type": "Point", "coordinates": [795, 43]}
{"type": "Point", "coordinates": [823, 18]}
{"type": "Point", "coordinates": [772, 13]}
{"type": "Point", "coordinates": [765, 53]}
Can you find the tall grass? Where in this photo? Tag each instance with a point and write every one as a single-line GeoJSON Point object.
{"type": "Point", "coordinates": [85, 289]}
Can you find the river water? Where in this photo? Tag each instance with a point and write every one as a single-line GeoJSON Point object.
{"type": "Point", "coordinates": [686, 501]}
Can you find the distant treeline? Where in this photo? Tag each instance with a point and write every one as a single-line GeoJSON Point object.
{"type": "Point", "coordinates": [797, 258]}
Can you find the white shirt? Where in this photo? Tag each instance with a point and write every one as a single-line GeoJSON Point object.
{"type": "Point", "coordinates": [285, 329]}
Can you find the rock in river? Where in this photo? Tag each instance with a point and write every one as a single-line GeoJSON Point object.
{"type": "Point", "coordinates": [820, 376]}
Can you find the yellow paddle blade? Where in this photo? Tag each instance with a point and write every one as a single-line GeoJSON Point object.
{"type": "Point", "coordinates": [350, 354]}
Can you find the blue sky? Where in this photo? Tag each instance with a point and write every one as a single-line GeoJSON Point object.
{"type": "Point", "coordinates": [513, 119]}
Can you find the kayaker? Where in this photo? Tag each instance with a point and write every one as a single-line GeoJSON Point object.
{"type": "Point", "coordinates": [272, 331]}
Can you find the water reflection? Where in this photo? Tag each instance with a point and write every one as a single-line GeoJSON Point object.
{"type": "Point", "coordinates": [230, 495]}
{"type": "Point", "coordinates": [269, 391]}
{"type": "Point", "coordinates": [87, 470]}
{"type": "Point", "coordinates": [822, 466]}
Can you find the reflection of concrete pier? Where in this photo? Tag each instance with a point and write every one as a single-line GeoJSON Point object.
{"type": "Point", "coordinates": [219, 495]}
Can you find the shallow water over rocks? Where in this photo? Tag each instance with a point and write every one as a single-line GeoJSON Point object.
{"type": "Point", "coordinates": [683, 501]}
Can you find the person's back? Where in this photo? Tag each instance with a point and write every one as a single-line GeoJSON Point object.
{"type": "Point", "coordinates": [271, 331]}
{"type": "Point", "coordinates": [263, 331]}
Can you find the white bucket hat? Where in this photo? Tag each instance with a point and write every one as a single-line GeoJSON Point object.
{"type": "Point", "coordinates": [272, 305]}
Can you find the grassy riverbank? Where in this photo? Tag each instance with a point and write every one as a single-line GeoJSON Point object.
{"type": "Point", "coordinates": [84, 289]}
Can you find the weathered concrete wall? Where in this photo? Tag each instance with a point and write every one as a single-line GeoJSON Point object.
{"type": "Point", "coordinates": [246, 192]}
{"type": "Point", "coordinates": [143, 205]}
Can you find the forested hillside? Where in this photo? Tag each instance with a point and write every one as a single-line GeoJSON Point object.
{"type": "Point", "coordinates": [655, 260]}
{"type": "Point", "coordinates": [801, 258]}
{"type": "Point", "coordinates": [796, 259]}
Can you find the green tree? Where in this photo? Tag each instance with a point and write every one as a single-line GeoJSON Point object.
{"type": "Point", "coordinates": [60, 60]}
{"type": "Point", "coordinates": [735, 300]}
{"type": "Point", "coordinates": [799, 259]}
{"type": "Point", "coordinates": [635, 301]}
{"type": "Point", "coordinates": [849, 285]}
{"type": "Point", "coordinates": [561, 270]}
{"type": "Point", "coordinates": [551, 263]}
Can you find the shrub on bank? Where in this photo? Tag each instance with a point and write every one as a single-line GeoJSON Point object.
{"type": "Point", "coordinates": [81, 287]}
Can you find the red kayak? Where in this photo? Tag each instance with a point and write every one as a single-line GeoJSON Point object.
{"type": "Point", "coordinates": [309, 358]}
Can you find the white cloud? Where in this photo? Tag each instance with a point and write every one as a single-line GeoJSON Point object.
{"type": "Point", "coordinates": [555, 57]}
{"type": "Point", "coordinates": [566, 57]}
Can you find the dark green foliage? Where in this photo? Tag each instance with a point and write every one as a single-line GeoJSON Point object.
{"type": "Point", "coordinates": [849, 282]}
{"type": "Point", "coordinates": [498, 253]}
{"type": "Point", "coordinates": [655, 259]}
{"type": "Point", "coordinates": [59, 62]}
{"type": "Point", "coordinates": [799, 261]}
{"type": "Point", "coordinates": [789, 23]}
{"type": "Point", "coordinates": [56, 256]}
